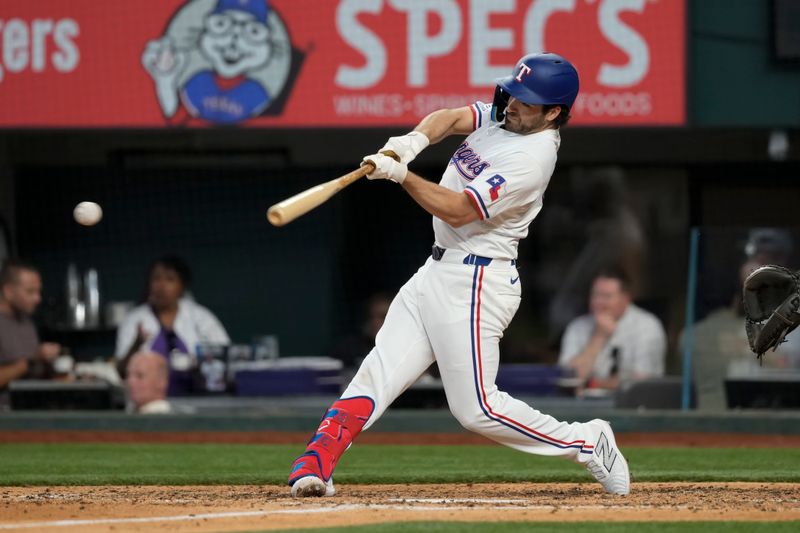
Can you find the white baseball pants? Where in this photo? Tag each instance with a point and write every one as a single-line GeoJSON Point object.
{"type": "Point", "coordinates": [454, 311]}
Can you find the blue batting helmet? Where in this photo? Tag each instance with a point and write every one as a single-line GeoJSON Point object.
{"type": "Point", "coordinates": [545, 79]}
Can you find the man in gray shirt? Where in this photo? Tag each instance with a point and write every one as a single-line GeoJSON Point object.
{"type": "Point", "coordinates": [20, 349]}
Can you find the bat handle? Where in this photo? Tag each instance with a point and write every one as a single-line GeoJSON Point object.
{"type": "Point", "coordinates": [366, 168]}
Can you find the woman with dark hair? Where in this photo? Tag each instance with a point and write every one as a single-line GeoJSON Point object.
{"type": "Point", "coordinates": [167, 322]}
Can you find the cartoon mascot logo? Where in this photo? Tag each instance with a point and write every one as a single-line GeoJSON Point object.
{"type": "Point", "coordinates": [221, 61]}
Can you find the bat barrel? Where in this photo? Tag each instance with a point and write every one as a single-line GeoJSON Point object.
{"type": "Point", "coordinates": [284, 212]}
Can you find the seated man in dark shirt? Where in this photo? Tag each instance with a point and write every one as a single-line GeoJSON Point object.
{"type": "Point", "coordinates": [20, 349]}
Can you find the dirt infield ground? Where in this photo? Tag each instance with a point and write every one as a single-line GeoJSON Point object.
{"type": "Point", "coordinates": [239, 508]}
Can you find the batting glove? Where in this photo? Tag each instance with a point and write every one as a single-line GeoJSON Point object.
{"type": "Point", "coordinates": [386, 168]}
{"type": "Point", "coordinates": [407, 147]}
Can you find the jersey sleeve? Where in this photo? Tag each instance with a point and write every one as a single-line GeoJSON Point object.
{"type": "Point", "coordinates": [517, 181]}
{"type": "Point", "coordinates": [481, 114]}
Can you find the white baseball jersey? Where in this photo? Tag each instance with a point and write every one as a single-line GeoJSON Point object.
{"type": "Point", "coordinates": [455, 309]}
{"type": "Point", "coordinates": [505, 175]}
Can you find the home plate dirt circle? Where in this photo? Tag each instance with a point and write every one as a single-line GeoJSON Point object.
{"type": "Point", "coordinates": [240, 508]}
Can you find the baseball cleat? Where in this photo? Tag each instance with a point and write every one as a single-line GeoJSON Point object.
{"type": "Point", "coordinates": [607, 464]}
{"type": "Point", "coordinates": [307, 479]}
{"type": "Point", "coordinates": [312, 487]}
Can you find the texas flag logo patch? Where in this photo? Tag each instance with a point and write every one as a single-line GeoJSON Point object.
{"type": "Point", "coordinates": [495, 182]}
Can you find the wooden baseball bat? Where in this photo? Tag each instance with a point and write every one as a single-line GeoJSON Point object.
{"type": "Point", "coordinates": [284, 212]}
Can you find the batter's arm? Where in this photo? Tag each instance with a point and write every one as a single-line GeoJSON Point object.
{"type": "Point", "coordinates": [445, 122]}
{"type": "Point", "coordinates": [455, 208]}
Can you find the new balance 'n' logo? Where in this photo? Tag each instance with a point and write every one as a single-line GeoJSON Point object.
{"type": "Point", "coordinates": [604, 450]}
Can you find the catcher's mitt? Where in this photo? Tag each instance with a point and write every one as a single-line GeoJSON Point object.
{"type": "Point", "coordinates": [771, 296]}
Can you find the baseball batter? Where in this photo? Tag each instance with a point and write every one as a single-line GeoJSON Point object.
{"type": "Point", "coordinates": [455, 308]}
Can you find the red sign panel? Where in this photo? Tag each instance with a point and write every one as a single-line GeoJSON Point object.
{"type": "Point", "coordinates": [335, 63]}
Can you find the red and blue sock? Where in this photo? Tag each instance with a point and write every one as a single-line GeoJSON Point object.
{"type": "Point", "coordinates": [339, 427]}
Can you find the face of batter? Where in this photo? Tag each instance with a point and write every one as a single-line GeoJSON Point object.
{"type": "Point", "coordinates": [528, 118]}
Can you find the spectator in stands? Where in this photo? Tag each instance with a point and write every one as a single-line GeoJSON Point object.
{"type": "Point", "coordinates": [769, 246]}
{"type": "Point", "coordinates": [168, 322]}
{"type": "Point", "coordinates": [147, 382]}
{"type": "Point", "coordinates": [719, 341]}
{"type": "Point", "coordinates": [21, 353]}
{"type": "Point", "coordinates": [352, 349]}
{"type": "Point", "coordinates": [773, 246]}
{"type": "Point", "coordinates": [614, 237]}
{"type": "Point", "coordinates": [617, 341]}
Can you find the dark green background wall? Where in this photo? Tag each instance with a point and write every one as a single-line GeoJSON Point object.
{"type": "Point", "coordinates": [734, 78]}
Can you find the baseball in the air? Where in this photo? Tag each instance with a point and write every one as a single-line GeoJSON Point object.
{"type": "Point", "coordinates": [87, 213]}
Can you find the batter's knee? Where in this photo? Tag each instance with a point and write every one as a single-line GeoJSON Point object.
{"type": "Point", "coordinates": [472, 419]}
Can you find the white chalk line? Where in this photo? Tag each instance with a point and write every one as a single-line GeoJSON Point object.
{"type": "Point", "coordinates": [232, 514]}
{"type": "Point", "coordinates": [173, 518]}
{"type": "Point", "coordinates": [453, 500]}
{"type": "Point", "coordinates": [331, 509]}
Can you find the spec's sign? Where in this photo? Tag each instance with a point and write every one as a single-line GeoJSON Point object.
{"type": "Point", "coordinates": [85, 63]}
